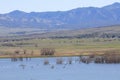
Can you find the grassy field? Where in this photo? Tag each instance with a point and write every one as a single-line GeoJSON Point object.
{"type": "Point", "coordinates": [63, 47]}
{"type": "Point", "coordinates": [64, 42]}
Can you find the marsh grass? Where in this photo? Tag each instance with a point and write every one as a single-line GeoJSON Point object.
{"type": "Point", "coordinates": [63, 47]}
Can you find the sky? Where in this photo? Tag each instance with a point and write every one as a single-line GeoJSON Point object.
{"type": "Point", "coordinates": [49, 5]}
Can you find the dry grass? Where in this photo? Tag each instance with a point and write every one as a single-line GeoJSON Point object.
{"type": "Point", "coordinates": [63, 47]}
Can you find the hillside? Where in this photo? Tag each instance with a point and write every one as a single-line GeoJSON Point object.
{"type": "Point", "coordinates": [86, 17]}
{"type": "Point", "coordinates": [98, 32]}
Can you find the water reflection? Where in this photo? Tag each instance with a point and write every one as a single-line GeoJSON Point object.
{"type": "Point", "coordinates": [58, 68]}
{"type": "Point", "coordinates": [64, 61]}
{"type": "Point", "coordinates": [22, 66]}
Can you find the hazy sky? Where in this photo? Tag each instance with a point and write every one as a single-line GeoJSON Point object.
{"type": "Point", "coordinates": [49, 5]}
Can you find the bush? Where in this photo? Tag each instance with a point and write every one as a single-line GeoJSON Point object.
{"type": "Point", "coordinates": [47, 51]}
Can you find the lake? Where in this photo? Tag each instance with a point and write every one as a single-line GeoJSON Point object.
{"type": "Point", "coordinates": [36, 69]}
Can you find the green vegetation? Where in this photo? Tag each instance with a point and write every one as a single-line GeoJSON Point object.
{"type": "Point", "coordinates": [61, 46]}
{"type": "Point", "coordinates": [65, 43]}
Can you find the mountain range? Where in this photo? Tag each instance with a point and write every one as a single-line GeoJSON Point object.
{"type": "Point", "coordinates": [78, 18]}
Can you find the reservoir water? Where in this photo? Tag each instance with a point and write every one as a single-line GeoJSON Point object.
{"type": "Point", "coordinates": [35, 69]}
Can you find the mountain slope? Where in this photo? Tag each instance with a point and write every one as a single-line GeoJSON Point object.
{"type": "Point", "coordinates": [72, 19]}
{"type": "Point", "coordinates": [98, 32]}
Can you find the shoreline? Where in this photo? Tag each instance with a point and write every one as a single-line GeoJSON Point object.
{"type": "Point", "coordinates": [45, 56]}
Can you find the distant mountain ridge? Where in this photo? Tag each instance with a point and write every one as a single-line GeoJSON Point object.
{"type": "Point", "coordinates": [73, 19]}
